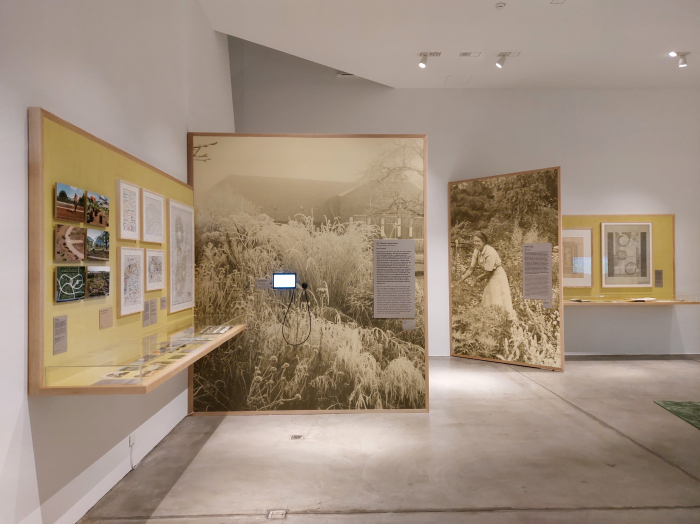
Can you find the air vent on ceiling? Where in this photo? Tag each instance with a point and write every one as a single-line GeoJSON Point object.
{"type": "Point", "coordinates": [510, 53]}
{"type": "Point", "coordinates": [557, 1]}
{"type": "Point", "coordinates": [343, 74]}
{"type": "Point", "coordinates": [430, 53]}
{"type": "Point", "coordinates": [470, 54]}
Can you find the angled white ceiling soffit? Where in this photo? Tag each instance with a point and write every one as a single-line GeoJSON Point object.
{"type": "Point", "coordinates": [575, 44]}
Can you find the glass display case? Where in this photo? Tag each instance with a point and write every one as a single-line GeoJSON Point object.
{"type": "Point", "coordinates": [138, 365]}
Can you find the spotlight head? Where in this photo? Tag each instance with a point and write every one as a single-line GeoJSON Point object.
{"type": "Point", "coordinates": [501, 62]}
{"type": "Point", "coordinates": [673, 54]}
{"type": "Point", "coordinates": [423, 62]}
{"type": "Point", "coordinates": [682, 61]}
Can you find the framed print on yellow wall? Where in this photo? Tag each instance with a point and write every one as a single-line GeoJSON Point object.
{"type": "Point", "coordinates": [181, 259]}
{"type": "Point", "coordinates": [155, 269]}
{"type": "Point", "coordinates": [626, 254]}
{"type": "Point", "coordinates": [127, 211]}
{"type": "Point", "coordinates": [153, 219]}
{"type": "Point", "coordinates": [131, 275]}
{"type": "Point", "coordinates": [577, 257]}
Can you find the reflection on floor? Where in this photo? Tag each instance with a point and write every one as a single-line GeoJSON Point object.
{"type": "Point", "coordinates": [502, 444]}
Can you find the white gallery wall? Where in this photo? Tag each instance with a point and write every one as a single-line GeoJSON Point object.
{"type": "Point", "coordinates": [138, 75]}
{"type": "Point", "coordinates": [621, 151]}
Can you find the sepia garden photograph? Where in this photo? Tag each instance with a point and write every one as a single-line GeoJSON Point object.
{"type": "Point", "coordinates": [490, 220]}
{"type": "Point", "coordinates": [310, 206]}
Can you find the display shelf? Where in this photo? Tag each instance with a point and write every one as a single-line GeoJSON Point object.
{"type": "Point", "coordinates": [627, 299]}
{"type": "Point", "coordinates": [138, 365]}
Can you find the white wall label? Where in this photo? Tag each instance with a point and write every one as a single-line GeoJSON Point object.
{"type": "Point", "coordinates": [106, 318]}
{"type": "Point", "coordinates": [60, 334]}
{"type": "Point", "coordinates": [163, 303]}
{"type": "Point", "coordinates": [146, 320]}
{"type": "Point", "coordinates": [537, 272]}
{"type": "Point", "coordinates": [394, 278]}
{"type": "Point", "coordinates": [154, 310]}
{"type": "Point", "coordinates": [658, 278]}
{"type": "Point", "coordinates": [263, 283]}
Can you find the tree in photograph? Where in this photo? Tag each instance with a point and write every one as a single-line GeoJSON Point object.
{"type": "Point", "coordinates": [63, 196]}
{"type": "Point", "coordinates": [389, 175]}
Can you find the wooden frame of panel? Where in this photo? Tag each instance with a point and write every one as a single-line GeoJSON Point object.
{"type": "Point", "coordinates": [37, 275]}
{"type": "Point", "coordinates": [598, 274]}
{"type": "Point", "coordinates": [561, 268]}
{"type": "Point", "coordinates": [190, 181]}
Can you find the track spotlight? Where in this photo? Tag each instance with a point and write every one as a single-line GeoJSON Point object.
{"type": "Point", "coordinates": [423, 62]}
{"type": "Point", "coordinates": [682, 62]}
{"type": "Point", "coordinates": [673, 54]}
{"type": "Point", "coordinates": [501, 61]}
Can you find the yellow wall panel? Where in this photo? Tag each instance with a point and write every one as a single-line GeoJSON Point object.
{"type": "Point", "coordinates": [75, 158]}
{"type": "Point", "coordinates": [663, 255]}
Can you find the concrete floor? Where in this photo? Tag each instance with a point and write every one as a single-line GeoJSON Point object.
{"type": "Point", "coordinates": [502, 444]}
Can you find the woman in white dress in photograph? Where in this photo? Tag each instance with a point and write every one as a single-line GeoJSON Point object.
{"type": "Point", "coordinates": [497, 291]}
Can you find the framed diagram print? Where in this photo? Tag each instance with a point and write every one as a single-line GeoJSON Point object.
{"type": "Point", "coordinates": [626, 254]}
{"type": "Point", "coordinates": [155, 269]}
{"type": "Point", "coordinates": [130, 280]}
{"type": "Point", "coordinates": [181, 259]}
{"type": "Point", "coordinates": [127, 211]}
{"type": "Point", "coordinates": [153, 217]}
{"type": "Point", "coordinates": [577, 257]}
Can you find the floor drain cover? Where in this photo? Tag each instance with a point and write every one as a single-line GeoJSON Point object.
{"type": "Point", "coordinates": [277, 514]}
{"type": "Point", "coordinates": [296, 437]}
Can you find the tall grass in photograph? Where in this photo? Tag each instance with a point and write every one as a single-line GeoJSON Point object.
{"type": "Point", "coordinates": [510, 211]}
{"type": "Point", "coordinates": [350, 359]}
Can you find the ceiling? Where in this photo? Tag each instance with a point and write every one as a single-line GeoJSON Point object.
{"type": "Point", "coordinates": [577, 44]}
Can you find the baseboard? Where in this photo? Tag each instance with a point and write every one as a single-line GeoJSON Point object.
{"type": "Point", "coordinates": [586, 356]}
{"type": "Point", "coordinates": [75, 499]}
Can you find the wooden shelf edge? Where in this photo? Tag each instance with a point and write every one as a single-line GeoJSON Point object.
{"type": "Point", "coordinates": [148, 385]}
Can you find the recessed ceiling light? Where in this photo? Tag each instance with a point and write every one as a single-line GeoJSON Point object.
{"type": "Point", "coordinates": [673, 54]}
{"type": "Point", "coordinates": [557, 1]}
{"type": "Point", "coordinates": [500, 5]}
{"type": "Point", "coordinates": [470, 54]}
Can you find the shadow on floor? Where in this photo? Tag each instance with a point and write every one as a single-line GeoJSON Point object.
{"type": "Point", "coordinates": [148, 486]}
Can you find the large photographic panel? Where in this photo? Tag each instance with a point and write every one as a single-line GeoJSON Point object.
{"type": "Point", "coordinates": [310, 205]}
{"type": "Point", "coordinates": [494, 221]}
